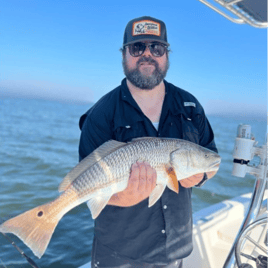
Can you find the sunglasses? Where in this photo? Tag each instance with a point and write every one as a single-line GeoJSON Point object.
{"type": "Point", "coordinates": [156, 49]}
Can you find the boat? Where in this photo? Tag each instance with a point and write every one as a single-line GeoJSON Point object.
{"type": "Point", "coordinates": [233, 233]}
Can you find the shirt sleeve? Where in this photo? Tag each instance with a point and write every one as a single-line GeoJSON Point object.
{"type": "Point", "coordinates": [95, 130]}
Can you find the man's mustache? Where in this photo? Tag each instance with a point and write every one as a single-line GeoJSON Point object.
{"type": "Point", "coordinates": [147, 59]}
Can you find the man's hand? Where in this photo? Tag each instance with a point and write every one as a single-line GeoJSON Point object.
{"type": "Point", "coordinates": [141, 183]}
{"type": "Point", "coordinates": [192, 181]}
{"type": "Point", "coordinates": [195, 179]}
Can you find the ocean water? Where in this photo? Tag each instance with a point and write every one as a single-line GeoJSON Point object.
{"type": "Point", "coordinates": [39, 145]}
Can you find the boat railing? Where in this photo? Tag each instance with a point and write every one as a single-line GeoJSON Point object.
{"type": "Point", "coordinates": [246, 149]}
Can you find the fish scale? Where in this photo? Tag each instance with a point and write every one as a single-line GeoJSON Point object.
{"type": "Point", "coordinates": [132, 153]}
{"type": "Point", "coordinates": [105, 172]}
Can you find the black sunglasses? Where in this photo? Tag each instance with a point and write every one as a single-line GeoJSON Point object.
{"type": "Point", "coordinates": [156, 49]}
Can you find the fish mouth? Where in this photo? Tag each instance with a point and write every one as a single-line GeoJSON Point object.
{"type": "Point", "coordinates": [216, 164]}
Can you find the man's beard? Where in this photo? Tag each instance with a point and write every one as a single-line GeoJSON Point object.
{"type": "Point", "coordinates": [143, 81]}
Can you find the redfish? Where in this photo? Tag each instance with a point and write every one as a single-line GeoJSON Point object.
{"type": "Point", "coordinates": [105, 172]}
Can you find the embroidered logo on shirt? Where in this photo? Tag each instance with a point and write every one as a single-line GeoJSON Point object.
{"type": "Point", "coordinates": [146, 27]}
{"type": "Point", "coordinates": [189, 104]}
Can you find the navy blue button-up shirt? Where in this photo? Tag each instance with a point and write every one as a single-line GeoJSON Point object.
{"type": "Point", "coordinates": [138, 234]}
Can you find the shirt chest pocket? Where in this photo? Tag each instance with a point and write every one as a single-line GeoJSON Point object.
{"type": "Point", "coordinates": [126, 133]}
{"type": "Point", "coordinates": [189, 131]}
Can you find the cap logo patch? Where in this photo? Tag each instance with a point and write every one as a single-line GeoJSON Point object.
{"type": "Point", "coordinates": [146, 27]}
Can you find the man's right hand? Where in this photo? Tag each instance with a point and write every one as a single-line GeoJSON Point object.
{"type": "Point", "coordinates": [142, 181]}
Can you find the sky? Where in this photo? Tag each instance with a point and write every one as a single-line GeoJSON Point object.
{"type": "Point", "coordinates": [69, 51]}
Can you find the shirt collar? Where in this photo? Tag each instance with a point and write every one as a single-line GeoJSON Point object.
{"type": "Point", "coordinates": [171, 102]}
{"type": "Point", "coordinates": [126, 95]}
{"type": "Point", "coordinates": [130, 115]}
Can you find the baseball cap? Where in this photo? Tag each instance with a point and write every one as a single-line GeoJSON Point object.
{"type": "Point", "coordinates": [145, 28]}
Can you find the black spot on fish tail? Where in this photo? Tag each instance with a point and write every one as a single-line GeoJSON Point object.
{"type": "Point", "coordinates": [40, 213]}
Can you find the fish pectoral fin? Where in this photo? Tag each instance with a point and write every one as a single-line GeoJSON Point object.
{"type": "Point", "coordinates": [97, 204]}
{"type": "Point", "coordinates": [156, 194]}
{"type": "Point", "coordinates": [172, 183]}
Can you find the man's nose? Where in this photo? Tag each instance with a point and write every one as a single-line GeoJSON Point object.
{"type": "Point", "coordinates": [147, 51]}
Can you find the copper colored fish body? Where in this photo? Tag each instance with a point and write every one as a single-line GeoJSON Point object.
{"type": "Point", "coordinates": [105, 172]}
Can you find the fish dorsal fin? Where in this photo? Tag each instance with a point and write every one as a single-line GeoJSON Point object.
{"type": "Point", "coordinates": [144, 138]}
{"type": "Point", "coordinates": [105, 149]}
{"type": "Point", "coordinates": [153, 138]}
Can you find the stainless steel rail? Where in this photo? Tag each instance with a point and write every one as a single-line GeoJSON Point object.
{"type": "Point", "coordinates": [243, 17]}
{"type": "Point", "coordinates": [255, 206]}
{"type": "Point", "coordinates": [244, 235]}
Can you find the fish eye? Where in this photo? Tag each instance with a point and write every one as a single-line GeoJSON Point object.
{"type": "Point", "coordinates": [40, 214]}
{"type": "Point", "coordinates": [206, 156]}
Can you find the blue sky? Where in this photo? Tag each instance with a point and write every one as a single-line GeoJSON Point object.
{"type": "Point", "coordinates": [69, 50]}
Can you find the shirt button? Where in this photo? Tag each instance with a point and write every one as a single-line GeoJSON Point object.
{"type": "Point", "coordinates": [165, 207]}
{"type": "Point", "coordinates": [163, 231]}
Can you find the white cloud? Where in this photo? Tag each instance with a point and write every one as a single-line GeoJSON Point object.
{"type": "Point", "coordinates": [235, 109]}
{"type": "Point", "coordinates": [45, 90]}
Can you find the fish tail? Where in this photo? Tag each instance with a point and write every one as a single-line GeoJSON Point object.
{"type": "Point", "coordinates": [34, 227]}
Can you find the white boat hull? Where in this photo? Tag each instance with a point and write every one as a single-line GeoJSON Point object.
{"type": "Point", "coordinates": [215, 230]}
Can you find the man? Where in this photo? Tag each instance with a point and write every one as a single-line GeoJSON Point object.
{"type": "Point", "coordinates": [127, 233]}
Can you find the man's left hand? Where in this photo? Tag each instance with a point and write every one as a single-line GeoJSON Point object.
{"type": "Point", "coordinates": [195, 179]}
